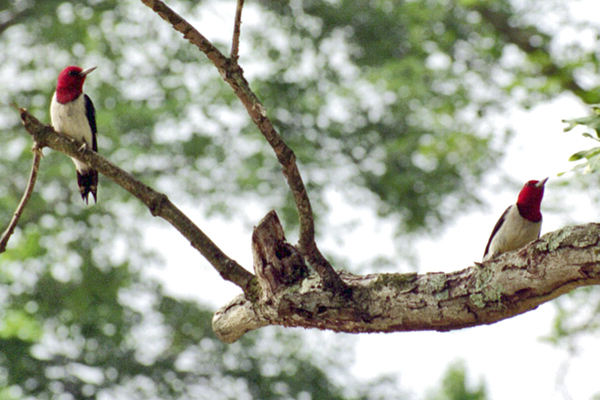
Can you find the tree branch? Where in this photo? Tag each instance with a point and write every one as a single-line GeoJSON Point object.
{"type": "Point", "coordinates": [16, 18]}
{"type": "Point", "coordinates": [158, 203]}
{"type": "Point", "coordinates": [37, 156]}
{"type": "Point", "coordinates": [237, 25]}
{"type": "Point", "coordinates": [524, 39]}
{"type": "Point", "coordinates": [507, 286]}
{"type": "Point", "coordinates": [233, 74]}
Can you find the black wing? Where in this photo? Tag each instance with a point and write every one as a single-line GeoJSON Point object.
{"type": "Point", "coordinates": [495, 230]}
{"type": "Point", "coordinates": [88, 180]}
{"type": "Point", "coordinates": [90, 112]}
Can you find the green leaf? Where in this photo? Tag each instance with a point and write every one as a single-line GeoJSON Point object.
{"type": "Point", "coordinates": [592, 121]}
{"type": "Point", "coordinates": [585, 154]}
{"type": "Point", "coordinates": [585, 134]}
{"type": "Point", "coordinates": [20, 325]}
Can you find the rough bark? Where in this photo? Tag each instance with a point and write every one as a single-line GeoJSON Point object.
{"type": "Point", "coordinates": [509, 285]}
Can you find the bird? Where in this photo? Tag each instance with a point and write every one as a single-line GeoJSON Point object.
{"type": "Point", "coordinates": [520, 224]}
{"type": "Point", "coordinates": [72, 113]}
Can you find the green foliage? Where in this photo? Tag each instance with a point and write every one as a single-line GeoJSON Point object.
{"type": "Point", "coordinates": [591, 156]}
{"type": "Point", "coordinates": [454, 386]}
{"type": "Point", "coordinates": [392, 110]}
{"type": "Point", "coordinates": [89, 331]}
{"type": "Point", "coordinates": [380, 100]}
{"type": "Point", "coordinates": [17, 324]}
{"type": "Point", "coordinates": [386, 97]}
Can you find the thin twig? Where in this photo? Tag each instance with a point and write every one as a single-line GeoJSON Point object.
{"type": "Point", "coordinates": [37, 156]}
{"type": "Point", "coordinates": [237, 27]}
{"type": "Point", "coordinates": [234, 76]}
{"type": "Point", "coordinates": [158, 203]}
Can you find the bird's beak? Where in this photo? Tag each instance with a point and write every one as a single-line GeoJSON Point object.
{"type": "Point", "coordinates": [541, 183]}
{"type": "Point", "coordinates": [86, 71]}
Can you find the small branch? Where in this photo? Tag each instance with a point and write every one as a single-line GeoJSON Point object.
{"type": "Point", "coordinates": [158, 203]}
{"type": "Point", "coordinates": [512, 284]}
{"type": "Point", "coordinates": [523, 38]}
{"type": "Point", "coordinates": [234, 76]}
{"type": "Point", "coordinates": [15, 19]}
{"type": "Point", "coordinates": [235, 42]}
{"type": "Point", "coordinates": [37, 156]}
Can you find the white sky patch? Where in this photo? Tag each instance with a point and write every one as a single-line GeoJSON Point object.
{"type": "Point", "coordinates": [438, 60]}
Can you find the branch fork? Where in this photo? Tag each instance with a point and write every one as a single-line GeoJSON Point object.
{"type": "Point", "coordinates": [233, 74]}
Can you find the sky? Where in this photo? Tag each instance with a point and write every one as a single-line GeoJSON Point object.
{"type": "Point", "coordinates": [509, 356]}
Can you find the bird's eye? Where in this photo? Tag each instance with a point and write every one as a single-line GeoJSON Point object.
{"type": "Point", "coordinates": [73, 73]}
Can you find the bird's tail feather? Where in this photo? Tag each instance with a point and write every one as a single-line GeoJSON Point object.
{"type": "Point", "coordinates": [88, 183]}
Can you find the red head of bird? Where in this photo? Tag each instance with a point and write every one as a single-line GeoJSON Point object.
{"type": "Point", "coordinates": [530, 199]}
{"type": "Point", "coordinates": [70, 83]}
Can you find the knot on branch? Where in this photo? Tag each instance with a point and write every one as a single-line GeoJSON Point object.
{"type": "Point", "coordinates": [230, 70]}
{"type": "Point", "coordinates": [277, 263]}
{"type": "Point", "coordinates": [156, 203]}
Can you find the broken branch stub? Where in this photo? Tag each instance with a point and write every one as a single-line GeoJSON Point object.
{"type": "Point", "coordinates": [277, 263]}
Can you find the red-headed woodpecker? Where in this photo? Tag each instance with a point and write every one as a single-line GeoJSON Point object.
{"type": "Point", "coordinates": [520, 224]}
{"type": "Point", "coordinates": [72, 113]}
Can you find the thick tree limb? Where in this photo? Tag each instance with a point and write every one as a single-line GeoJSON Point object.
{"type": "Point", "coordinates": [35, 166]}
{"type": "Point", "coordinates": [509, 285]}
{"type": "Point", "coordinates": [233, 74]}
{"type": "Point", "coordinates": [158, 203]}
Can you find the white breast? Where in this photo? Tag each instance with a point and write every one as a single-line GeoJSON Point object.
{"type": "Point", "coordinates": [514, 233]}
{"type": "Point", "coordinates": [70, 119]}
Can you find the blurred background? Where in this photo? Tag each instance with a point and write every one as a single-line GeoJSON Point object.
{"type": "Point", "coordinates": [415, 123]}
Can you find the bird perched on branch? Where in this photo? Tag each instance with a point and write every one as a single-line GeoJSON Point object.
{"type": "Point", "coordinates": [520, 224]}
{"type": "Point", "coordinates": [72, 114]}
